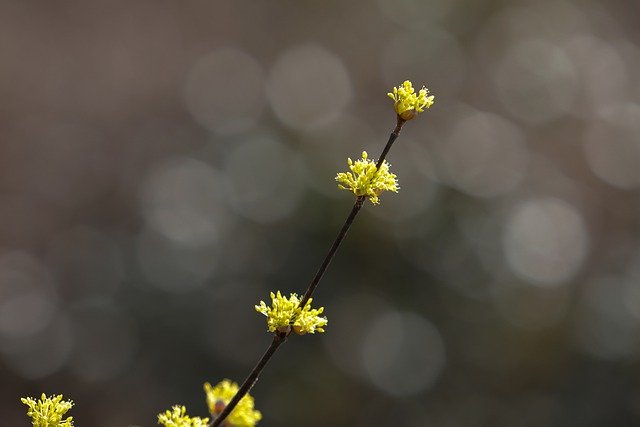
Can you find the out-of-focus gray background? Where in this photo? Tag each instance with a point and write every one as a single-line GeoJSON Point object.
{"type": "Point", "coordinates": [164, 165]}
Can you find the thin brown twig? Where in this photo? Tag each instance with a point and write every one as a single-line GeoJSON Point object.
{"type": "Point", "coordinates": [332, 251]}
{"type": "Point", "coordinates": [279, 337]}
{"type": "Point", "coordinates": [392, 138]}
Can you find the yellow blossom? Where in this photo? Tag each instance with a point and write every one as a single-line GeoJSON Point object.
{"type": "Point", "coordinates": [408, 103]}
{"type": "Point", "coordinates": [48, 411]}
{"type": "Point", "coordinates": [285, 313]}
{"type": "Point", "coordinates": [178, 418]}
{"type": "Point", "coordinates": [365, 180]}
{"type": "Point", "coordinates": [218, 397]}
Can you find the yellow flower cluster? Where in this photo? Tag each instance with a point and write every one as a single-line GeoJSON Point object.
{"type": "Point", "coordinates": [178, 418]}
{"type": "Point", "coordinates": [408, 103]}
{"type": "Point", "coordinates": [285, 313]}
{"type": "Point", "coordinates": [48, 411]}
{"type": "Point", "coordinates": [218, 397]}
{"type": "Point", "coordinates": [365, 180]}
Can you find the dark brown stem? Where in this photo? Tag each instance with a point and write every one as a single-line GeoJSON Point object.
{"type": "Point", "coordinates": [392, 138]}
{"type": "Point", "coordinates": [278, 339]}
{"type": "Point", "coordinates": [332, 251]}
{"type": "Point", "coordinates": [347, 224]}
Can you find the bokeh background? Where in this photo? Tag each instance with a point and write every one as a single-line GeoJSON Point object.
{"type": "Point", "coordinates": [164, 165]}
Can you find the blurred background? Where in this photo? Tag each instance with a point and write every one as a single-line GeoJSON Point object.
{"type": "Point", "coordinates": [164, 165]}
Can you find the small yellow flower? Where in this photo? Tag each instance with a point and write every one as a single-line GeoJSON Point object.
{"type": "Point", "coordinates": [285, 313]}
{"type": "Point", "coordinates": [48, 411]}
{"type": "Point", "coordinates": [365, 180]}
{"type": "Point", "coordinates": [179, 418]}
{"type": "Point", "coordinates": [408, 103]}
{"type": "Point", "coordinates": [218, 397]}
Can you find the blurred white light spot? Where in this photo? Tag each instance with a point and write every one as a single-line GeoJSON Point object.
{"type": "Point", "coordinates": [225, 91]}
{"type": "Point", "coordinates": [173, 267]}
{"type": "Point", "coordinates": [606, 328]}
{"type": "Point", "coordinates": [344, 344]}
{"type": "Point", "coordinates": [68, 163]}
{"type": "Point", "coordinates": [536, 81]}
{"type": "Point", "coordinates": [222, 340]}
{"type": "Point", "coordinates": [265, 256]}
{"type": "Point", "coordinates": [308, 87]}
{"type": "Point", "coordinates": [42, 354]}
{"type": "Point", "coordinates": [631, 297]}
{"type": "Point", "coordinates": [531, 307]}
{"type": "Point", "coordinates": [86, 262]}
{"type": "Point", "coordinates": [485, 155]}
{"type": "Point", "coordinates": [440, 64]}
{"type": "Point", "coordinates": [403, 353]}
{"type": "Point", "coordinates": [27, 299]}
{"type": "Point", "coordinates": [612, 146]}
{"type": "Point", "coordinates": [183, 199]}
{"type": "Point", "coordinates": [545, 241]}
{"type": "Point", "coordinates": [417, 179]}
{"type": "Point", "coordinates": [265, 180]}
{"type": "Point", "coordinates": [25, 314]}
{"type": "Point", "coordinates": [416, 14]}
{"type": "Point", "coordinates": [553, 20]}
{"type": "Point", "coordinates": [104, 342]}
{"type": "Point", "coordinates": [602, 73]}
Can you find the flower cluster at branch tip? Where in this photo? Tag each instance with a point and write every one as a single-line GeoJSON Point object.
{"type": "Point", "coordinates": [178, 417]}
{"type": "Point", "coordinates": [285, 314]}
{"type": "Point", "coordinates": [218, 397]}
{"type": "Point", "coordinates": [48, 411]}
{"type": "Point", "coordinates": [408, 103]}
{"type": "Point", "coordinates": [366, 180]}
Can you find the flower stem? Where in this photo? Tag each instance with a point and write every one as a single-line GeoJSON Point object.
{"type": "Point", "coordinates": [332, 251]}
{"type": "Point", "coordinates": [248, 383]}
{"type": "Point", "coordinates": [347, 224]}
{"type": "Point", "coordinates": [281, 337]}
{"type": "Point", "coordinates": [392, 138]}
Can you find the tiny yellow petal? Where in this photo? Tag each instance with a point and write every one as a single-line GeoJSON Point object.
{"type": "Point", "coordinates": [286, 314]}
{"type": "Point", "coordinates": [178, 417]}
{"type": "Point", "coordinates": [407, 103]}
{"type": "Point", "coordinates": [48, 411]}
{"type": "Point", "coordinates": [218, 397]}
{"type": "Point", "coordinates": [366, 180]}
